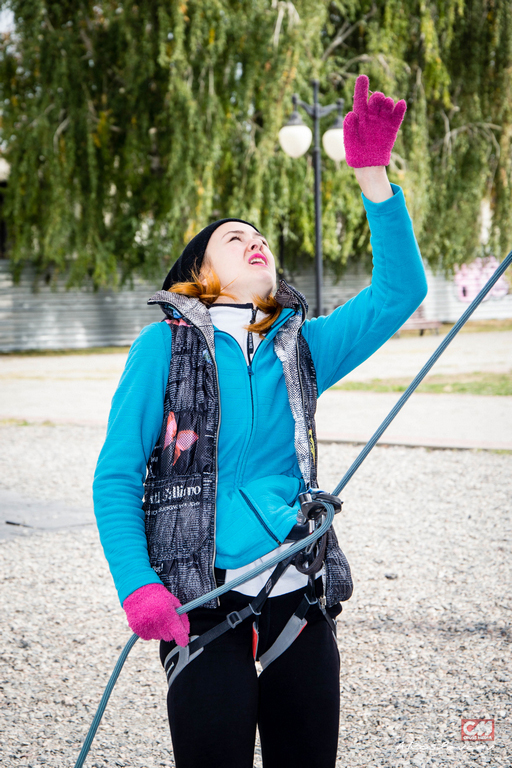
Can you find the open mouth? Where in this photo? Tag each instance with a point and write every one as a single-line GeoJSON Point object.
{"type": "Point", "coordinates": [258, 258]}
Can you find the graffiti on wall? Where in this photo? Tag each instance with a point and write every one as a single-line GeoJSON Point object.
{"type": "Point", "coordinates": [471, 278]}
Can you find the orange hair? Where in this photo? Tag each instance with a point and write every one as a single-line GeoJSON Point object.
{"type": "Point", "coordinates": [208, 289]}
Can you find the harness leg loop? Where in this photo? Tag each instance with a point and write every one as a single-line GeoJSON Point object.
{"type": "Point", "coordinates": [177, 659]}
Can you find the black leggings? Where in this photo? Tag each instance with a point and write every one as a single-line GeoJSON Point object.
{"type": "Point", "coordinates": [216, 702]}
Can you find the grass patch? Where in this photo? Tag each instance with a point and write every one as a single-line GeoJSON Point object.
{"type": "Point", "coordinates": [25, 423]}
{"type": "Point", "coordinates": [481, 326]}
{"type": "Point", "coordinates": [61, 352]}
{"type": "Point", "coordinates": [495, 384]}
{"type": "Point", "coordinates": [472, 326]}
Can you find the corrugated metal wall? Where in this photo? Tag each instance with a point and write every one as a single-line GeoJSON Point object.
{"type": "Point", "coordinates": [60, 319]}
{"type": "Point", "coordinates": [447, 299]}
{"type": "Point", "coordinates": [334, 294]}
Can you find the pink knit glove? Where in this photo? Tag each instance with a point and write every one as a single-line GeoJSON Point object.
{"type": "Point", "coordinates": [151, 614]}
{"type": "Point", "coordinates": [369, 132]}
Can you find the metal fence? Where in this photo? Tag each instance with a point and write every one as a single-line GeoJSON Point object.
{"type": "Point", "coordinates": [53, 318]}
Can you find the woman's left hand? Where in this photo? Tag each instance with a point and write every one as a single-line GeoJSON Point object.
{"type": "Point", "coordinates": [370, 130]}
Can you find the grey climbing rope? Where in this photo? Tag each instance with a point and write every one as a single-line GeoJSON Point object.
{"type": "Point", "coordinates": [328, 507]}
{"type": "Point", "coordinates": [292, 550]}
{"type": "Point", "coordinates": [505, 264]}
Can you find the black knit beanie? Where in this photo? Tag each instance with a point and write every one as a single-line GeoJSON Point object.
{"type": "Point", "coordinates": [192, 255]}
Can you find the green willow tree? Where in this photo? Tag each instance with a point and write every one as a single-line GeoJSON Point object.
{"type": "Point", "coordinates": [452, 62]}
{"type": "Point", "coordinates": [130, 126]}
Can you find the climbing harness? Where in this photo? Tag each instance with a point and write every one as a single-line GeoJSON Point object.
{"type": "Point", "coordinates": [179, 657]}
{"type": "Point", "coordinates": [316, 515]}
{"type": "Point", "coordinates": [308, 561]}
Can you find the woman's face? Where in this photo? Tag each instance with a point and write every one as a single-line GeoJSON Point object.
{"type": "Point", "coordinates": [243, 262]}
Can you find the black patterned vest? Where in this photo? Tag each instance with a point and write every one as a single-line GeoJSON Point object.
{"type": "Point", "coordinates": [180, 486]}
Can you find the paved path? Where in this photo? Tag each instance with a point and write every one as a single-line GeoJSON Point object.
{"type": "Point", "coordinates": [67, 389]}
{"type": "Point", "coordinates": [467, 353]}
{"type": "Point", "coordinates": [433, 420]}
{"type": "Point", "coordinates": [20, 516]}
{"type": "Point", "coordinates": [436, 421]}
{"type": "Point", "coordinates": [77, 389]}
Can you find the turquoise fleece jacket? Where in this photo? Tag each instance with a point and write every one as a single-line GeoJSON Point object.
{"type": "Point", "coordinates": [258, 473]}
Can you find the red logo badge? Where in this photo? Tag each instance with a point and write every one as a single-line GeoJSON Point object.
{"type": "Point", "coordinates": [477, 730]}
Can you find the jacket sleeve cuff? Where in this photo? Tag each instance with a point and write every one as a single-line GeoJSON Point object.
{"type": "Point", "coordinates": [387, 206]}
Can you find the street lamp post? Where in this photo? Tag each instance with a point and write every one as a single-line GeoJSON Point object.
{"type": "Point", "coordinates": [295, 139]}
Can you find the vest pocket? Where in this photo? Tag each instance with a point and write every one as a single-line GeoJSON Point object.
{"type": "Point", "coordinates": [179, 532]}
{"type": "Point", "coordinates": [176, 525]}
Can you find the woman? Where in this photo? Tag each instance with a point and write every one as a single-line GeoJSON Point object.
{"type": "Point", "coordinates": [213, 422]}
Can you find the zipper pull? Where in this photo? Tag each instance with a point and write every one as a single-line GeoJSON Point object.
{"type": "Point", "coordinates": [250, 370]}
{"type": "Point", "coordinates": [250, 340]}
{"type": "Point", "coordinates": [250, 345]}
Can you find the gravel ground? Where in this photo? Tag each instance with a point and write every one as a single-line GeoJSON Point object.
{"type": "Point", "coordinates": [424, 641]}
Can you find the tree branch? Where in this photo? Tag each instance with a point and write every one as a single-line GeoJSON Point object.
{"type": "Point", "coordinates": [452, 134]}
{"type": "Point", "coordinates": [88, 44]}
{"type": "Point", "coordinates": [62, 127]}
{"type": "Point", "coordinates": [337, 76]}
{"type": "Point", "coordinates": [346, 31]}
{"type": "Point", "coordinates": [44, 112]}
{"type": "Point", "coordinates": [293, 17]}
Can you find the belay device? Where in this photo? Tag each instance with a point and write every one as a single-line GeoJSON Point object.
{"type": "Point", "coordinates": [307, 545]}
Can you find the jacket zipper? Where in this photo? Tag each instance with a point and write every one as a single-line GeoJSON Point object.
{"type": "Point", "coordinates": [250, 357]}
{"type": "Point", "coordinates": [263, 523]}
{"type": "Point", "coordinates": [250, 340]}
{"type": "Point", "coordinates": [250, 373]}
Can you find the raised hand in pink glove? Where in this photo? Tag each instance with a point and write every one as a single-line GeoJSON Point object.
{"type": "Point", "coordinates": [369, 131]}
{"type": "Point", "coordinates": [151, 614]}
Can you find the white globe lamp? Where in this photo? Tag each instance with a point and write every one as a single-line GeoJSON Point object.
{"type": "Point", "coordinates": [295, 138]}
{"type": "Point", "coordinates": [333, 141]}
{"type": "Point", "coordinates": [5, 169]}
